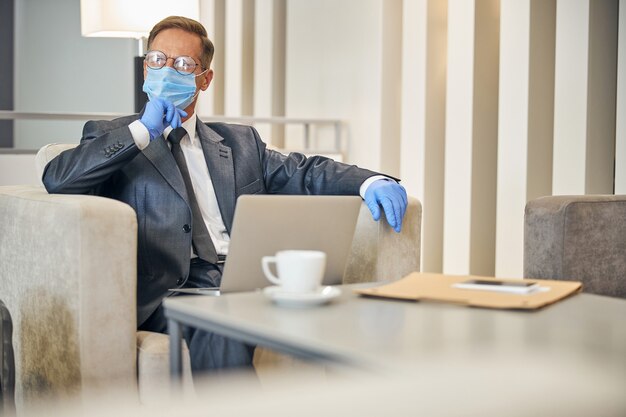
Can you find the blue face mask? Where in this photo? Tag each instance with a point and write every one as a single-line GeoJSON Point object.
{"type": "Point", "coordinates": [167, 84]}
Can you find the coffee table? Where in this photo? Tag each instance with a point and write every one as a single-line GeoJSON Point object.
{"type": "Point", "coordinates": [386, 335]}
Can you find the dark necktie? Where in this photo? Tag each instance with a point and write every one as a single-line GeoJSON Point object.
{"type": "Point", "coordinates": [199, 234]}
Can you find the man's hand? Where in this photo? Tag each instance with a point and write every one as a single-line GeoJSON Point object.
{"type": "Point", "coordinates": [159, 114]}
{"type": "Point", "coordinates": [392, 197]}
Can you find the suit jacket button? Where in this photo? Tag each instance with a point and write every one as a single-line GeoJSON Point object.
{"type": "Point", "coordinates": [186, 228]}
{"type": "Point", "coordinates": [180, 281]}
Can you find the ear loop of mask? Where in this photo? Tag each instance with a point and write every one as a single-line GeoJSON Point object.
{"type": "Point", "coordinates": [198, 92]}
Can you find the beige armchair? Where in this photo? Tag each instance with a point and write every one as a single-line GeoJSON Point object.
{"type": "Point", "coordinates": [68, 278]}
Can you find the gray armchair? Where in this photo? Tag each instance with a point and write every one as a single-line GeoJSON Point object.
{"type": "Point", "coordinates": [579, 238]}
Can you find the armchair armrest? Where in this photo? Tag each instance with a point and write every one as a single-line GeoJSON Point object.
{"type": "Point", "coordinates": [68, 278]}
{"type": "Point", "coordinates": [579, 238]}
{"type": "Point", "coordinates": [379, 253]}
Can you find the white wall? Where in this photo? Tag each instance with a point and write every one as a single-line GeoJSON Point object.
{"type": "Point", "coordinates": [480, 105]}
{"type": "Point", "coordinates": [334, 69]}
{"type": "Point", "coordinates": [57, 70]}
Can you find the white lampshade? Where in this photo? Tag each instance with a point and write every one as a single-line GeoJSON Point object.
{"type": "Point", "coordinates": [130, 18]}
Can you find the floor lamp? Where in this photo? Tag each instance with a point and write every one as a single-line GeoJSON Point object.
{"type": "Point", "coordinates": [131, 19]}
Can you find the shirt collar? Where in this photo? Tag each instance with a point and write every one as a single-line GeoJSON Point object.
{"type": "Point", "coordinates": [190, 127]}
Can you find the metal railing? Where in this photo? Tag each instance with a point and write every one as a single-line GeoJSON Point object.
{"type": "Point", "coordinates": [305, 122]}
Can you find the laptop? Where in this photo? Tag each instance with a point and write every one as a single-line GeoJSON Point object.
{"type": "Point", "coordinates": [266, 224]}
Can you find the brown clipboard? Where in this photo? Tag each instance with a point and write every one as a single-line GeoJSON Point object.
{"type": "Point", "coordinates": [440, 287]}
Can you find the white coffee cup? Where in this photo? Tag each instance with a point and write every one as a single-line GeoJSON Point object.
{"type": "Point", "coordinates": [298, 270]}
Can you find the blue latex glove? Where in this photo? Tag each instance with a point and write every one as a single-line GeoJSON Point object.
{"type": "Point", "coordinates": [159, 114]}
{"type": "Point", "coordinates": [393, 199]}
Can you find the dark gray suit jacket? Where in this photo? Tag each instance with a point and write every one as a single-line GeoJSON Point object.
{"type": "Point", "coordinates": [108, 163]}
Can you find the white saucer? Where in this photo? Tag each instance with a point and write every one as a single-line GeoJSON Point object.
{"type": "Point", "coordinates": [290, 299]}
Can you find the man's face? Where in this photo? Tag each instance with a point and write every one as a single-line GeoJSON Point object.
{"type": "Point", "coordinates": [177, 42]}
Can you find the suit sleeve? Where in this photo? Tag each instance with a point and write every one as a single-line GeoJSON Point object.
{"type": "Point", "coordinates": [298, 174]}
{"type": "Point", "coordinates": [103, 150]}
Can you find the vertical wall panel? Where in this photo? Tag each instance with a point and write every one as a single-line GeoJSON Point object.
{"type": "Point", "coordinates": [570, 96]}
{"type": "Point", "coordinates": [269, 67]}
{"type": "Point", "coordinates": [233, 58]}
{"type": "Point", "coordinates": [414, 38]}
{"type": "Point", "coordinates": [515, 27]}
{"type": "Point", "coordinates": [485, 137]}
{"type": "Point", "coordinates": [391, 84]}
{"type": "Point", "coordinates": [219, 41]}
{"type": "Point", "coordinates": [435, 131]}
{"type": "Point", "coordinates": [279, 72]}
{"type": "Point", "coordinates": [263, 52]}
{"type": "Point", "coordinates": [585, 84]}
{"type": "Point", "coordinates": [212, 15]}
{"type": "Point", "coordinates": [458, 146]}
{"type": "Point", "coordinates": [471, 137]}
{"type": "Point", "coordinates": [620, 135]}
{"type": "Point", "coordinates": [423, 118]}
{"type": "Point", "coordinates": [541, 98]}
{"type": "Point", "coordinates": [602, 87]}
{"type": "Point", "coordinates": [206, 99]}
{"type": "Point", "coordinates": [247, 58]}
{"type": "Point", "coordinates": [525, 122]}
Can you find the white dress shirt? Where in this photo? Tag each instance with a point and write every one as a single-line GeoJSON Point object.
{"type": "Point", "coordinates": [201, 178]}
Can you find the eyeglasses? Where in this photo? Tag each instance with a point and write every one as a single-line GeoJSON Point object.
{"type": "Point", "coordinates": [184, 65]}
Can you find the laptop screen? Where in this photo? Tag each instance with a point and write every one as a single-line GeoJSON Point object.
{"type": "Point", "coordinates": [266, 224]}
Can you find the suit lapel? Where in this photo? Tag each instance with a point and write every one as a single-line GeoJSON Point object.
{"type": "Point", "coordinates": [220, 162]}
{"type": "Point", "coordinates": [159, 154]}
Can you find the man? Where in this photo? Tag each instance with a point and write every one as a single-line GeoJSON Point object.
{"type": "Point", "coordinates": [185, 196]}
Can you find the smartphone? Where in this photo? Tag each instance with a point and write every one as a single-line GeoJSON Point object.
{"type": "Point", "coordinates": [515, 287]}
{"type": "Point", "coordinates": [214, 291]}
